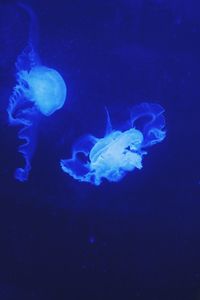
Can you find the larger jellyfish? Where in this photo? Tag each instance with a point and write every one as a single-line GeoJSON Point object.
{"type": "Point", "coordinates": [39, 90]}
{"type": "Point", "coordinates": [119, 151]}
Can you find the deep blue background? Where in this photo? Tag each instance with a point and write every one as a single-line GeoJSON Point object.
{"type": "Point", "coordinates": [139, 238]}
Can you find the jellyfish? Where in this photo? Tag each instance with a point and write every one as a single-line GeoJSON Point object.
{"type": "Point", "coordinates": [119, 151]}
{"type": "Point", "coordinates": [39, 91]}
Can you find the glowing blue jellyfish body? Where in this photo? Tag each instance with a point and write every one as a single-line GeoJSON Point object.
{"type": "Point", "coordinates": [39, 91]}
{"type": "Point", "coordinates": [119, 152]}
{"type": "Point", "coordinates": [46, 89]}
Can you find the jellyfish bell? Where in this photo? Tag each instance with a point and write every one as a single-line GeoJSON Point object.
{"type": "Point", "coordinates": [47, 89]}
{"type": "Point", "coordinates": [117, 153]}
{"type": "Point", "coordinates": [115, 145]}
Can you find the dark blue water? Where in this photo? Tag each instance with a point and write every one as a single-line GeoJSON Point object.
{"type": "Point", "coordinates": [136, 239]}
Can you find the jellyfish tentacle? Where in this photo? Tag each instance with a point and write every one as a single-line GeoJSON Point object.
{"type": "Point", "coordinates": [33, 39]}
{"type": "Point", "coordinates": [153, 128]}
{"type": "Point", "coordinates": [21, 113]}
{"type": "Point", "coordinates": [108, 122]}
{"type": "Point", "coordinates": [78, 166]}
{"type": "Point", "coordinates": [84, 144]}
{"type": "Point", "coordinates": [27, 60]}
{"type": "Point", "coordinates": [28, 135]}
{"type": "Point", "coordinates": [29, 57]}
{"type": "Point", "coordinates": [16, 101]}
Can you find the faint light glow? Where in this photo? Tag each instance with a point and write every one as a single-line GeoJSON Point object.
{"type": "Point", "coordinates": [92, 240]}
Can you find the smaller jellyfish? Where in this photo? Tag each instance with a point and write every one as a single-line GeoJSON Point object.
{"type": "Point", "coordinates": [39, 91]}
{"type": "Point", "coordinates": [119, 151]}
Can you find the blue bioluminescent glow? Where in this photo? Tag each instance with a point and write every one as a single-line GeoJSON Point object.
{"type": "Point", "coordinates": [39, 91]}
{"type": "Point", "coordinates": [118, 152]}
